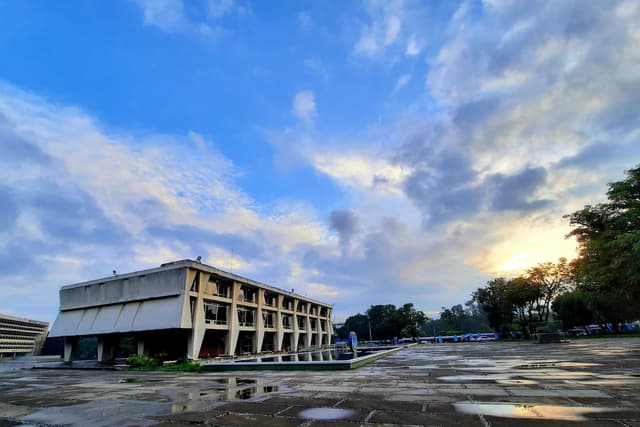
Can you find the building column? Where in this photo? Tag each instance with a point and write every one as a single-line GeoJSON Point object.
{"type": "Point", "coordinates": [105, 348]}
{"type": "Point", "coordinates": [198, 327]}
{"type": "Point", "coordinates": [259, 336]}
{"type": "Point", "coordinates": [279, 337]}
{"type": "Point", "coordinates": [69, 345]}
{"type": "Point", "coordinates": [296, 330]}
{"type": "Point", "coordinates": [277, 345]}
{"type": "Point", "coordinates": [234, 324]}
{"type": "Point", "coordinates": [140, 342]}
{"type": "Point", "coordinates": [307, 338]}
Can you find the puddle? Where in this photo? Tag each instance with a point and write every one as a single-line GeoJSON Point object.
{"type": "Point", "coordinates": [542, 365]}
{"type": "Point", "coordinates": [552, 412]}
{"type": "Point", "coordinates": [421, 367]}
{"type": "Point", "coordinates": [488, 379]}
{"type": "Point", "coordinates": [326, 413]}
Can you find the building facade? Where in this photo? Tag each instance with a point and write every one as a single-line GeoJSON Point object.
{"type": "Point", "coordinates": [186, 308]}
{"type": "Point", "coordinates": [19, 336]}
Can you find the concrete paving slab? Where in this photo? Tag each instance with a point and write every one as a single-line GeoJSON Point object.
{"type": "Point", "coordinates": [426, 419]}
{"type": "Point", "coordinates": [400, 390]}
{"type": "Point", "coordinates": [558, 393]}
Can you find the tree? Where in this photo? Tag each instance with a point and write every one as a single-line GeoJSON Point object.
{"type": "Point", "coordinates": [552, 280]}
{"type": "Point", "coordinates": [384, 324]}
{"type": "Point", "coordinates": [526, 298]}
{"type": "Point", "coordinates": [572, 308]}
{"type": "Point", "coordinates": [411, 320]}
{"type": "Point", "coordinates": [494, 302]}
{"type": "Point", "coordinates": [358, 323]}
{"type": "Point", "coordinates": [608, 237]}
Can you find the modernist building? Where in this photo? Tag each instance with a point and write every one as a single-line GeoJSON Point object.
{"type": "Point", "coordinates": [20, 336]}
{"type": "Point", "coordinates": [186, 308]}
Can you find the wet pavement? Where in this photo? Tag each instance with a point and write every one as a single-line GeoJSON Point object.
{"type": "Point", "coordinates": [581, 383]}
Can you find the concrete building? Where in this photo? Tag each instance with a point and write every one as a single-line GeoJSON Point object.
{"type": "Point", "coordinates": [19, 336]}
{"type": "Point", "coordinates": [186, 308]}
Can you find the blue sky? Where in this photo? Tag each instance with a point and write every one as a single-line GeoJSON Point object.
{"type": "Point", "coordinates": [360, 152]}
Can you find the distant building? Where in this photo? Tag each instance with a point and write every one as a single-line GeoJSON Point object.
{"type": "Point", "coordinates": [186, 308]}
{"type": "Point", "coordinates": [19, 336]}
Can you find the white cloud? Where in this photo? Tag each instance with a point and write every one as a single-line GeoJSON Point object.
{"type": "Point", "coordinates": [170, 16]}
{"type": "Point", "coordinates": [392, 29]}
{"type": "Point", "coordinates": [413, 48]}
{"type": "Point", "coordinates": [365, 171]}
{"type": "Point", "coordinates": [382, 28]}
{"type": "Point", "coordinates": [124, 201]}
{"type": "Point", "coordinates": [401, 82]}
{"type": "Point", "coordinates": [304, 106]}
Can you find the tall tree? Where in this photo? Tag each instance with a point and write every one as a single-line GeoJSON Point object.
{"type": "Point", "coordinates": [551, 280]}
{"type": "Point", "coordinates": [573, 309]}
{"type": "Point", "coordinates": [358, 323]}
{"type": "Point", "coordinates": [526, 298]}
{"type": "Point", "coordinates": [494, 302]}
{"type": "Point", "coordinates": [411, 320]}
{"type": "Point", "coordinates": [608, 236]}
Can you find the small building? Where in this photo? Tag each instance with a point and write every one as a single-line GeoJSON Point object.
{"type": "Point", "coordinates": [186, 308]}
{"type": "Point", "coordinates": [19, 336]}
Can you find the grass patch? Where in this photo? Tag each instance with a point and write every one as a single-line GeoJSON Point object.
{"type": "Point", "coordinates": [146, 363]}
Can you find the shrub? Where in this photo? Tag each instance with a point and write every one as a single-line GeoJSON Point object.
{"type": "Point", "coordinates": [141, 361]}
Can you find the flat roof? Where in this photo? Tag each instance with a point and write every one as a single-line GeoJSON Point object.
{"type": "Point", "coordinates": [23, 319]}
{"type": "Point", "coordinates": [188, 263]}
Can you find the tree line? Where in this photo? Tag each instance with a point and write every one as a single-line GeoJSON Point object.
{"type": "Point", "coordinates": [601, 286]}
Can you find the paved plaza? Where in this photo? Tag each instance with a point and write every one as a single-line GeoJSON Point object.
{"type": "Point", "coordinates": [584, 383]}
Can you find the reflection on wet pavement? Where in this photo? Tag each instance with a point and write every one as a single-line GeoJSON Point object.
{"type": "Point", "coordinates": [464, 384]}
{"type": "Point", "coordinates": [552, 412]}
{"type": "Point", "coordinates": [326, 413]}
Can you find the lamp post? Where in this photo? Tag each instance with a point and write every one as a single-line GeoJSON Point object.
{"type": "Point", "coordinates": [369, 322]}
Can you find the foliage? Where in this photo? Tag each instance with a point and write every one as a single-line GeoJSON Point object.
{"type": "Point", "coordinates": [494, 302]}
{"type": "Point", "coordinates": [141, 361]}
{"type": "Point", "coordinates": [358, 323]}
{"type": "Point", "coordinates": [458, 320]}
{"type": "Point", "coordinates": [385, 322]}
{"type": "Point", "coordinates": [551, 280]}
{"type": "Point", "coordinates": [572, 308]}
{"type": "Point", "coordinates": [184, 366]}
{"type": "Point", "coordinates": [608, 236]}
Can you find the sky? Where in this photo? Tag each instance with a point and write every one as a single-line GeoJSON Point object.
{"type": "Point", "coordinates": [359, 152]}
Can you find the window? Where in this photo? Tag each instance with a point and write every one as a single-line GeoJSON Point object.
{"type": "Point", "coordinates": [247, 295]}
{"type": "Point", "coordinates": [269, 299]}
{"type": "Point", "coordinates": [246, 316]}
{"type": "Point", "coordinates": [286, 321]}
{"type": "Point", "coordinates": [215, 313]}
{"type": "Point", "coordinates": [267, 317]}
{"type": "Point", "coordinates": [195, 284]}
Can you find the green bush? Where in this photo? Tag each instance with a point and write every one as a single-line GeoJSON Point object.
{"type": "Point", "coordinates": [142, 361]}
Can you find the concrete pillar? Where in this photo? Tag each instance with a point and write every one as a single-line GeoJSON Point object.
{"type": "Point", "coordinates": [140, 342]}
{"type": "Point", "coordinates": [234, 324]}
{"type": "Point", "coordinates": [279, 336]}
{"type": "Point", "coordinates": [307, 338]}
{"type": "Point", "coordinates": [106, 348]}
{"type": "Point", "coordinates": [198, 328]}
{"type": "Point", "coordinates": [296, 329]}
{"type": "Point", "coordinates": [259, 336]}
{"type": "Point", "coordinates": [69, 345]}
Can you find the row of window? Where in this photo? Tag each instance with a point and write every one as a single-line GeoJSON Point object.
{"type": "Point", "coordinates": [21, 332]}
{"type": "Point", "coordinates": [218, 314]}
{"type": "Point", "coordinates": [17, 325]}
{"type": "Point", "coordinates": [222, 288]}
